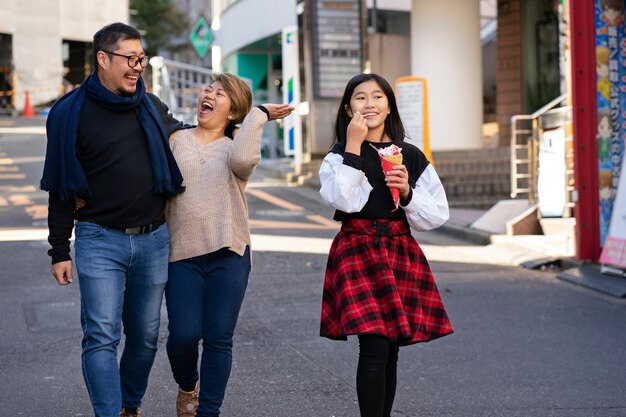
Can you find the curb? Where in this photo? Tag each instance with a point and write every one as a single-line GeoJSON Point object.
{"type": "Point", "coordinates": [465, 233]}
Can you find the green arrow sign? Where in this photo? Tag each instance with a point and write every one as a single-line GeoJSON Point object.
{"type": "Point", "coordinates": [201, 37]}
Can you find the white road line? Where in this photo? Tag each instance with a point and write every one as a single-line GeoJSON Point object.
{"type": "Point", "coordinates": [292, 244]}
{"type": "Point", "coordinates": [15, 234]}
{"type": "Point", "coordinates": [24, 130]}
{"type": "Point", "coordinates": [12, 176]}
{"type": "Point", "coordinates": [279, 202]}
{"type": "Point", "coordinates": [24, 160]}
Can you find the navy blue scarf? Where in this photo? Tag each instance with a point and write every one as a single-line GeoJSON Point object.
{"type": "Point", "coordinates": [62, 172]}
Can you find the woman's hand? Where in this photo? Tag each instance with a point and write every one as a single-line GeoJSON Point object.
{"type": "Point", "coordinates": [399, 178]}
{"type": "Point", "coordinates": [278, 111]}
{"type": "Point", "coordinates": [79, 204]}
{"type": "Point", "coordinates": [357, 131]}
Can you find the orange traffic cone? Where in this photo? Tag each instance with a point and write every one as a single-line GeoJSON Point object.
{"type": "Point", "coordinates": [28, 110]}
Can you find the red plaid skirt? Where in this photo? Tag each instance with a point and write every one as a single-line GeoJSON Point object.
{"type": "Point", "coordinates": [378, 281]}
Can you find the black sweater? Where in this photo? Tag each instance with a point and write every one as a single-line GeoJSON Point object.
{"type": "Point", "coordinates": [113, 152]}
{"type": "Point", "coordinates": [380, 204]}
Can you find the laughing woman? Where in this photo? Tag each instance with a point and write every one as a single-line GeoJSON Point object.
{"type": "Point", "coordinates": [210, 240]}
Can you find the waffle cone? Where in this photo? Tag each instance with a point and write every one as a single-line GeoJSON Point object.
{"type": "Point", "coordinates": [394, 159]}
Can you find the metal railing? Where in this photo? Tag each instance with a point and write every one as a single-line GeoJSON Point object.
{"type": "Point", "coordinates": [525, 134]}
{"type": "Point", "coordinates": [179, 86]}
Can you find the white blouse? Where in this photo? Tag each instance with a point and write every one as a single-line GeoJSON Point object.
{"type": "Point", "coordinates": [347, 189]}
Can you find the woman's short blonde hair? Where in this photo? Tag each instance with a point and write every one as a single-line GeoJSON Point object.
{"type": "Point", "coordinates": [239, 93]}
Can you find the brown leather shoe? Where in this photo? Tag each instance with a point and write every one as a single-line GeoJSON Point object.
{"type": "Point", "coordinates": [187, 402]}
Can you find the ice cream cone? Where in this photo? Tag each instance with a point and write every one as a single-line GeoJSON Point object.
{"type": "Point", "coordinates": [388, 162]}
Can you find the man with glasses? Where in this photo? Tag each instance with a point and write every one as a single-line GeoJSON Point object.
{"type": "Point", "coordinates": [109, 167]}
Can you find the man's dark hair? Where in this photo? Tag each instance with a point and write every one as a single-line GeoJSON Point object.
{"type": "Point", "coordinates": [106, 39]}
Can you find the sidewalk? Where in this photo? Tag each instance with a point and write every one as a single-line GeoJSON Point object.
{"type": "Point", "coordinates": [555, 248]}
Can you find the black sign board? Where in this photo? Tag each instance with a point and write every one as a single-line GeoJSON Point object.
{"type": "Point", "coordinates": [337, 50]}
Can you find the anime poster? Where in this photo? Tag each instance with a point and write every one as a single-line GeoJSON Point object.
{"type": "Point", "coordinates": [611, 99]}
{"type": "Point", "coordinates": [614, 250]}
{"type": "Point", "coordinates": [611, 130]}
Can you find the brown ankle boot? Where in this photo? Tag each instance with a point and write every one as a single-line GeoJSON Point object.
{"type": "Point", "coordinates": [187, 402]}
{"type": "Point", "coordinates": [127, 413]}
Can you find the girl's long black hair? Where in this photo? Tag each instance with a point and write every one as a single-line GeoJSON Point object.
{"type": "Point", "coordinates": [393, 125]}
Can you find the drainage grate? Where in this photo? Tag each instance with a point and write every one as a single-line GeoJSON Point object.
{"type": "Point", "coordinates": [589, 276]}
{"type": "Point", "coordinates": [543, 264]}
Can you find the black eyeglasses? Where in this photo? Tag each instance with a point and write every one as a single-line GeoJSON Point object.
{"type": "Point", "coordinates": [132, 59]}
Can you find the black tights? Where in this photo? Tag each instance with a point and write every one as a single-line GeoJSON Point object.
{"type": "Point", "coordinates": [376, 375]}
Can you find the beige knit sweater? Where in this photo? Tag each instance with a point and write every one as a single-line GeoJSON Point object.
{"type": "Point", "coordinates": [212, 213]}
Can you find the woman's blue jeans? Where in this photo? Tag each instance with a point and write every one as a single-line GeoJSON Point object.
{"type": "Point", "coordinates": [122, 278]}
{"type": "Point", "coordinates": [203, 296]}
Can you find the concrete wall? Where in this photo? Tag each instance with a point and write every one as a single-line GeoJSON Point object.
{"type": "Point", "coordinates": [38, 28]}
{"type": "Point", "coordinates": [446, 50]}
{"type": "Point", "coordinates": [390, 55]}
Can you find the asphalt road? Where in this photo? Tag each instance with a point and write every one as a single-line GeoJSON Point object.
{"type": "Point", "coordinates": [525, 343]}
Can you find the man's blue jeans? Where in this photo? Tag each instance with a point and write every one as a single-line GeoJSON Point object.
{"type": "Point", "coordinates": [122, 278]}
{"type": "Point", "coordinates": [204, 295]}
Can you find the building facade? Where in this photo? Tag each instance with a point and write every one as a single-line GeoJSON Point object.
{"type": "Point", "coordinates": [44, 41]}
{"type": "Point", "coordinates": [395, 38]}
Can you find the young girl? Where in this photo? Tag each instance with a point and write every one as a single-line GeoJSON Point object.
{"type": "Point", "coordinates": [378, 284]}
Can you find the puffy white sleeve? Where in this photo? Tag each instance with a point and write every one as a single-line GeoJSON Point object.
{"type": "Point", "coordinates": [428, 208]}
{"type": "Point", "coordinates": [343, 187]}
